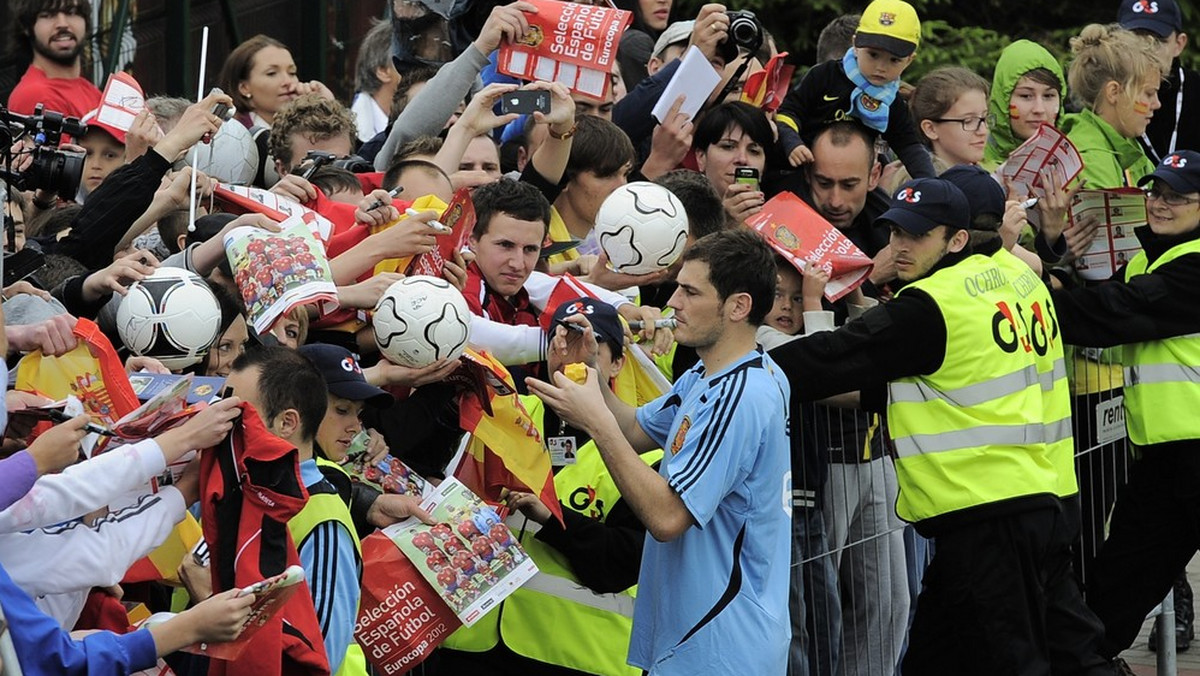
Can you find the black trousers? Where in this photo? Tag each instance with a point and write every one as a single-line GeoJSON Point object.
{"type": "Point", "coordinates": [1000, 598]}
{"type": "Point", "coordinates": [1154, 532]}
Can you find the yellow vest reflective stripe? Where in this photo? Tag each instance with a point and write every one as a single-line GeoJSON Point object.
{"type": "Point", "coordinates": [1162, 377]}
{"type": "Point", "coordinates": [322, 507]}
{"type": "Point", "coordinates": [1052, 373]}
{"type": "Point", "coordinates": [977, 430]}
{"type": "Point", "coordinates": [553, 618]}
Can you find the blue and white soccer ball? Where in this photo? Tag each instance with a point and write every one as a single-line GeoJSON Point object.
{"type": "Point", "coordinates": [170, 315]}
{"type": "Point", "coordinates": [420, 320]}
{"type": "Point", "coordinates": [642, 227]}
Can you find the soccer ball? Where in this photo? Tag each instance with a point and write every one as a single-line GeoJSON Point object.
{"type": "Point", "coordinates": [231, 156]}
{"type": "Point", "coordinates": [171, 315]}
{"type": "Point", "coordinates": [642, 227]}
{"type": "Point", "coordinates": [420, 320]}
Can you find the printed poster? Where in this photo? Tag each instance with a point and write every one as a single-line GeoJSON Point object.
{"type": "Point", "coordinates": [242, 199]}
{"type": "Point", "coordinates": [572, 43]}
{"type": "Point", "coordinates": [1048, 147]}
{"type": "Point", "coordinates": [277, 271]}
{"type": "Point", "coordinates": [388, 474]}
{"type": "Point", "coordinates": [1119, 211]}
{"type": "Point", "coordinates": [803, 237]}
{"type": "Point", "coordinates": [470, 556]}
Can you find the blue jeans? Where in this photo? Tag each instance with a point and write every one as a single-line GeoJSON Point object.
{"type": "Point", "coordinates": [814, 605]}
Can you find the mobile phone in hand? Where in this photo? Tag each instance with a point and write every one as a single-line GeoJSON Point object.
{"type": "Point", "coordinates": [746, 175]}
{"type": "Point", "coordinates": [525, 102]}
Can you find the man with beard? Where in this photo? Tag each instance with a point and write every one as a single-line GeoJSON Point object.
{"type": "Point", "coordinates": [55, 31]}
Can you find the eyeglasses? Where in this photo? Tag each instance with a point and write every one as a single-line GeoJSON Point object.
{"type": "Point", "coordinates": [969, 123]}
{"type": "Point", "coordinates": [1171, 199]}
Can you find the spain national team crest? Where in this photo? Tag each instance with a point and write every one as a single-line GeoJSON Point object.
{"type": "Point", "coordinates": [869, 103]}
{"type": "Point", "coordinates": [886, 18]}
{"type": "Point", "coordinates": [681, 434]}
{"type": "Point", "coordinates": [786, 237]}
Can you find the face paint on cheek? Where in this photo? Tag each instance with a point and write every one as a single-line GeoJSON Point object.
{"type": "Point", "coordinates": [1141, 107]}
{"type": "Point", "coordinates": [1013, 112]}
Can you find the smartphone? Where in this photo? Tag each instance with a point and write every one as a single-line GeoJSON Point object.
{"type": "Point", "coordinates": [525, 102]}
{"type": "Point", "coordinates": [21, 264]}
{"type": "Point", "coordinates": [746, 175]}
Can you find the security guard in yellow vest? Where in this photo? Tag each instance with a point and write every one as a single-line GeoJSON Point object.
{"type": "Point", "coordinates": [575, 616]}
{"type": "Point", "coordinates": [1152, 306]}
{"type": "Point", "coordinates": [965, 350]}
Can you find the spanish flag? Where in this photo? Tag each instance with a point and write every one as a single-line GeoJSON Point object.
{"type": "Point", "coordinates": [766, 88]}
{"type": "Point", "coordinates": [505, 451]}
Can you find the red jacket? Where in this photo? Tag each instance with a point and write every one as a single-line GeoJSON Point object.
{"type": "Point", "coordinates": [249, 488]}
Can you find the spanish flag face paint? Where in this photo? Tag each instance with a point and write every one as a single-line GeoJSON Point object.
{"type": "Point", "coordinates": [1013, 112]}
{"type": "Point", "coordinates": [1141, 107]}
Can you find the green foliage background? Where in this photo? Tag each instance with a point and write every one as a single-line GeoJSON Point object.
{"type": "Point", "coordinates": [968, 33]}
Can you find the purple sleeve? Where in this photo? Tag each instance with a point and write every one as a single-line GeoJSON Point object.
{"type": "Point", "coordinates": [17, 474]}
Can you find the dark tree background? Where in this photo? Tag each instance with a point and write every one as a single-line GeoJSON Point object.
{"type": "Point", "coordinates": [969, 33]}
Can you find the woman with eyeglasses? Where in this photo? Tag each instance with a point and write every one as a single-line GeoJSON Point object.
{"type": "Point", "coordinates": [1114, 77]}
{"type": "Point", "coordinates": [950, 107]}
{"type": "Point", "coordinates": [1151, 308]}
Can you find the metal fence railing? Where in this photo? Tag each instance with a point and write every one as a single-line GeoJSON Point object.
{"type": "Point", "coordinates": [861, 566]}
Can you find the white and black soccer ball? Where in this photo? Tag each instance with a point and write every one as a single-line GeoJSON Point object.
{"type": "Point", "coordinates": [231, 156]}
{"type": "Point", "coordinates": [642, 227]}
{"type": "Point", "coordinates": [171, 315]}
{"type": "Point", "coordinates": [420, 320]}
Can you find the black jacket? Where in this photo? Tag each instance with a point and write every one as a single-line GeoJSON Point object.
{"type": "Point", "coordinates": [823, 97]}
{"type": "Point", "coordinates": [1166, 119]}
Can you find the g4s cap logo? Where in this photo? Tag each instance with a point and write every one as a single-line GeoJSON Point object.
{"type": "Point", "coordinates": [909, 195]}
{"type": "Point", "coordinates": [1145, 7]}
{"type": "Point", "coordinates": [1175, 161]}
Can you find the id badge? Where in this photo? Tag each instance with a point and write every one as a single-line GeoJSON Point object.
{"type": "Point", "coordinates": [562, 450]}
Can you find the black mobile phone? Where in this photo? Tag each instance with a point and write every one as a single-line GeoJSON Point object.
{"type": "Point", "coordinates": [20, 265]}
{"type": "Point", "coordinates": [525, 102]}
{"type": "Point", "coordinates": [746, 175]}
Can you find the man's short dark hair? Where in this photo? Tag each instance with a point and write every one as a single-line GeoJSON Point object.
{"type": "Point", "coordinates": [842, 134]}
{"type": "Point", "coordinates": [335, 179]}
{"type": "Point", "coordinates": [392, 178]}
{"type": "Point", "coordinates": [287, 379]}
{"type": "Point", "coordinates": [26, 13]}
{"type": "Point", "coordinates": [836, 37]}
{"type": "Point", "coordinates": [705, 211]}
{"type": "Point", "coordinates": [519, 200]}
{"type": "Point", "coordinates": [599, 146]}
{"type": "Point", "coordinates": [421, 145]}
{"type": "Point", "coordinates": [739, 261]}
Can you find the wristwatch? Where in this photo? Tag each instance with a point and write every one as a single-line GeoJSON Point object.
{"type": "Point", "coordinates": [563, 136]}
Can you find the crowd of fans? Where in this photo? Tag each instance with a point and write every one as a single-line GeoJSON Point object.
{"type": "Point", "coordinates": [899, 556]}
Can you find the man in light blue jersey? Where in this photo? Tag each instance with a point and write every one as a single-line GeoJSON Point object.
{"type": "Point", "coordinates": [713, 586]}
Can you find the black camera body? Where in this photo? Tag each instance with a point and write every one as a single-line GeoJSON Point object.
{"type": "Point", "coordinates": [315, 159]}
{"type": "Point", "coordinates": [745, 34]}
{"type": "Point", "coordinates": [53, 169]}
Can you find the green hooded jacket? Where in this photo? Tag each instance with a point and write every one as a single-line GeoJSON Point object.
{"type": "Point", "coordinates": [1017, 59]}
{"type": "Point", "coordinates": [1109, 159]}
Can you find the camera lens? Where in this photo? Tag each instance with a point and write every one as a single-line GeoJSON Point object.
{"type": "Point", "coordinates": [57, 170]}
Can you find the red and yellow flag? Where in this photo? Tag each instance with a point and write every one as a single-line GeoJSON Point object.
{"type": "Point", "coordinates": [505, 451]}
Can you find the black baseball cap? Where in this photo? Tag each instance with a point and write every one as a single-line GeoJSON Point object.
{"type": "Point", "coordinates": [1161, 17]}
{"type": "Point", "coordinates": [1180, 170]}
{"type": "Point", "coordinates": [343, 376]}
{"type": "Point", "coordinates": [603, 317]}
{"type": "Point", "coordinates": [984, 195]}
{"type": "Point", "coordinates": [922, 204]}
